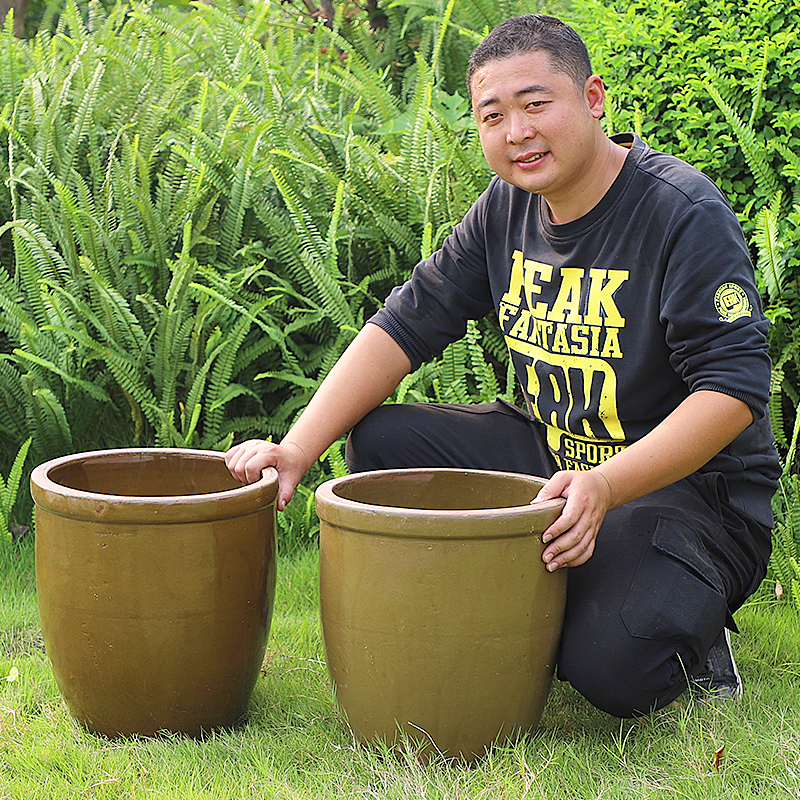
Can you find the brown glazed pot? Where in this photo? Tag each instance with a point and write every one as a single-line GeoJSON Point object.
{"type": "Point", "coordinates": [439, 618]}
{"type": "Point", "coordinates": [155, 574]}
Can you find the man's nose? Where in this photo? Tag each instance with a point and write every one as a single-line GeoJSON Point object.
{"type": "Point", "coordinates": [519, 128]}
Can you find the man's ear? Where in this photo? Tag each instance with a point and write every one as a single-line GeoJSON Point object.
{"type": "Point", "coordinates": [594, 93]}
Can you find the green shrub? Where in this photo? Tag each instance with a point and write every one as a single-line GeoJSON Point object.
{"type": "Point", "coordinates": [203, 207]}
{"type": "Point", "coordinates": [658, 59]}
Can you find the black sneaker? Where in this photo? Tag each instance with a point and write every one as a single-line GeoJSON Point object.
{"type": "Point", "coordinates": [719, 679]}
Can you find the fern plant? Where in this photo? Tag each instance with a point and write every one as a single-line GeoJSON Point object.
{"type": "Point", "coordinates": [785, 561]}
{"type": "Point", "coordinates": [784, 564]}
{"type": "Point", "coordinates": [659, 57]}
{"type": "Point", "coordinates": [109, 338]}
{"type": "Point", "coordinates": [204, 207]}
{"type": "Point", "coordinates": [9, 489]}
{"type": "Point", "coordinates": [465, 373]}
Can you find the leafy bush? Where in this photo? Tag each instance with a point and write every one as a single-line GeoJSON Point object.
{"type": "Point", "coordinates": [204, 207]}
{"type": "Point", "coordinates": [661, 61]}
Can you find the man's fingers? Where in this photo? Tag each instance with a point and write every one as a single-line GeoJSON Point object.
{"type": "Point", "coordinates": [573, 557]}
{"type": "Point", "coordinates": [552, 488]}
{"type": "Point", "coordinates": [570, 549]}
{"type": "Point", "coordinates": [247, 460]}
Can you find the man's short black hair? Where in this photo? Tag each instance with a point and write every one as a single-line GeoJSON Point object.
{"type": "Point", "coordinates": [531, 32]}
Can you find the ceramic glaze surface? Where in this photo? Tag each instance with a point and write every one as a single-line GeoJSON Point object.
{"type": "Point", "coordinates": [155, 574]}
{"type": "Point", "coordinates": [439, 618]}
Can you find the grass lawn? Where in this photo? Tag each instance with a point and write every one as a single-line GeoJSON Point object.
{"type": "Point", "coordinates": [294, 744]}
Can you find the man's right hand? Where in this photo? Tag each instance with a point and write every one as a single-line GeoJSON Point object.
{"type": "Point", "coordinates": [375, 363]}
{"type": "Point", "coordinates": [247, 460]}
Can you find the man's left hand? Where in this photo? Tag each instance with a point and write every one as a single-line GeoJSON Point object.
{"type": "Point", "coordinates": [572, 536]}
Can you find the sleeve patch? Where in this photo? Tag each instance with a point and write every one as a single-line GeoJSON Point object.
{"type": "Point", "coordinates": [731, 302]}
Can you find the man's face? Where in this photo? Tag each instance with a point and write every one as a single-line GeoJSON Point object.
{"type": "Point", "coordinates": [538, 130]}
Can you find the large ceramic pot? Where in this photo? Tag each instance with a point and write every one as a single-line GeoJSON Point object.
{"type": "Point", "coordinates": [155, 573]}
{"type": "Point", "coordinates": [439, 618]}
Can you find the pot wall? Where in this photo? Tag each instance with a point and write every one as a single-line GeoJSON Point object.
{"type": "Point", "coordinates": [440, 620]}
{"type": "Point", "coordinates": [155, 607]}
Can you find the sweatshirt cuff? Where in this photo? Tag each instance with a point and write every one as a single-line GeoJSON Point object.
{"type": "Point", "coordinates": [757, 405]}
{"type": "Point", "coordinates": [409, 343]}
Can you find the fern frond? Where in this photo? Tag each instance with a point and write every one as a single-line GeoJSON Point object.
{"type": "Point", "coordinates": [770, 264]}
{"type": "Point", "coordinates": [415, 143]}
{"type": "Point", "coordinates": [12, 305]}
{"type": "Point", "coordinates": [45, 261]}
{"type": "Point", "coordinates": [314, 257]}
{"type": "Point", "coordinates": [399, 234]}
{"type": "Point", "coordinates": [793, 161]}
{"type": "Point", "coordinates": [82, 121]}
{"type": "Point", "coordinates": [483, 372]}
{"type": "Point", "coordinates": [360, 80]}
{"type": "Point", "coordinates": [10, 487]}
{"type": "Point", "coordinates": [453, 386]}
{"type": "Point", "coordinates": [239, 200]}
{"type": "Point", "coordinates": [334, 458]}
{"type": "Point", "coordinates": [196, 396]}
{"type": "Point", "coordinates": [90, 388]}
{"type": "Point", "coordinates": [437, 48]}
{"type": "Point", "coordinates": [126, 373]}
{"type": "Point", "coordinates": [219, 384]}
{"type": "Point", "coordinates": [745, 135]}
{"type": "Point", "coordinates": [290, 377]}
{"type": "Point", "coordinates": [761, 80]}
{"type": "Point", "coordinates": [12, 399]}
{"type": "Point", "coordinates": [48, 422]}
{"type": "Point", "coordinates": [169, 346]}
{"type": "Point", "coordinates": [114, 318]}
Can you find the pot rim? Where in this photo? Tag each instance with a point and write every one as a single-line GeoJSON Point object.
{"type": "Point", "coordinates": [66, 501]}
{"type": "Point", "coordinates": [441, 523]}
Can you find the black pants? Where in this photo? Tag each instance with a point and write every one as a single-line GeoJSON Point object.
{"type": "Point", "coordinates": [666, 574]}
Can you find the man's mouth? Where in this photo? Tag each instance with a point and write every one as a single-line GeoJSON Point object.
{"type": "Point", "coordinates": [530, 159]}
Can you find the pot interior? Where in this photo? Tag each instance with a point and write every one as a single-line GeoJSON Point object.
{"type": "Point", "coordinates": [145, 474]}
{"type": "Point", "coordinates": [440, 490]}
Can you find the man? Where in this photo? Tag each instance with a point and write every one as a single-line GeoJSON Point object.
{"type": "Point", "coordinates": [621, 281]}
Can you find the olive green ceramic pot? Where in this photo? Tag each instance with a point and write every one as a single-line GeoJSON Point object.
{"type": "Point", "coordinates": [440, 621]}
{"type": "Point", "coordinates": [155, 573]}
